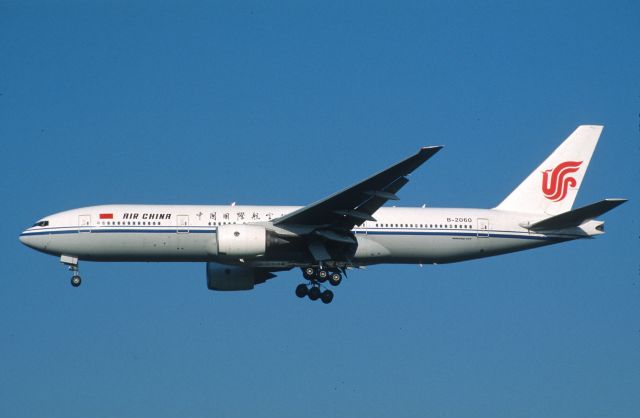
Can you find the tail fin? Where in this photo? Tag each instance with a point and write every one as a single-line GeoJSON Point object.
{"type": "Point", "coordinates": [553, 186]}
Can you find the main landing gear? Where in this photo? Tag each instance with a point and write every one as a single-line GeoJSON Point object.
{"type": "Point", "coordinates": [317, 276]}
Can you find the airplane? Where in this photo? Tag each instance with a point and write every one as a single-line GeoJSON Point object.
{"type": "Point", "coordinates": [243, 246]}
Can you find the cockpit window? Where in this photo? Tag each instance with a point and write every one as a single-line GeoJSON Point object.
{"type": "Point", "coordinates": [41, 223]}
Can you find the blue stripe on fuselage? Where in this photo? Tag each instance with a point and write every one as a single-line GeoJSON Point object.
{"type": "Point", "coordinates": [118, 231]}
{"type": "Point", "coordinates": [194, 230]}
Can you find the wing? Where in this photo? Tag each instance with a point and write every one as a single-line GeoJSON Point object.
{"type": "Point", "coordinates": [357, 204]}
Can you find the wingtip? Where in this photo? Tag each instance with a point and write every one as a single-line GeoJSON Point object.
{"type": "Point", "coordinates": [432, 148]}
{"type": "Point", "coordinates": [595, 127]}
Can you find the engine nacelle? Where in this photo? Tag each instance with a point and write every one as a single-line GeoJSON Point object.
{"type": "Point", "coordinates": [227, 277]}
{"type": "Point", "coordinates": [241, 240]}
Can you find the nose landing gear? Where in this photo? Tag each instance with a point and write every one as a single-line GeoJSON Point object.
{"type": "Point", "coordinates": [76, 280]}
{"type": "Point", "coordinates": [316, 276]}
{"type": "Point", "coordinates": [72, 263]}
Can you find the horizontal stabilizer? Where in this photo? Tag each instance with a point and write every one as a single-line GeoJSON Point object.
{"type": "Point", "coordinates": [578, 216]}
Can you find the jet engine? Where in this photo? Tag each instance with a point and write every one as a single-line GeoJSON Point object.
{"type": "Point", "coordinates": [245, 241]}
{"type": "Point", "coordinates": [241, 241]}
{"type": "Point", "coordinates": [228, 277]}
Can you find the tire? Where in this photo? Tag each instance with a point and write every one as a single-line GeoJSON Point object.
{"type": "Point", "coordinates": [76, 281]}
{"type": "Point", "coordinates": [309, 273]}
{"type": "Point", "coordinates": [335, 279]}
{"type": "Point", "coordinates": [314, 293]}
{"type": "Point", "coordinates": [302, 290]}
{"type": "Point", "coordinates": [322, 276]}
{"type": "Point", "coordinates": [327, 297]}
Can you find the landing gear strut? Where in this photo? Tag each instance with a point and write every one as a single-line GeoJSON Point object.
{"type": "Point", "coordinates": [316, 276]}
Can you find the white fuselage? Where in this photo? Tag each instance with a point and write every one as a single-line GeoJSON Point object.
{"type": "Point", "coordinates": [189, 233]}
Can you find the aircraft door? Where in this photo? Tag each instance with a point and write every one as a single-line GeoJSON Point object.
{"type": "Point", "coordinates": [360, 230]}
{"type": "Point", "coordinates": [483, 228]}
{"type": "Point", "coordinates": [183, 224]}
{"type": "Point", "coordinates": [84, 223]}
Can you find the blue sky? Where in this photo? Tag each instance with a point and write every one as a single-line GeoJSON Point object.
{"type": "Point", "coordinates": [211, 102]}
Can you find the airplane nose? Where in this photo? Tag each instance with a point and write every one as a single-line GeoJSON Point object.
{"type": "Point", "coordinates": [30, 241]}
{"type": "Point", "coordinates": [24, 239]}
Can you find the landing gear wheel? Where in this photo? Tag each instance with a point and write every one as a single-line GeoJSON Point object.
{"type": "Point", "coordinates": [322, 275]}
{"type": "Point", "coordinates": [302, 290]}
{"type": "Point", "coordinates": [314, 293]}
{"type": "Point", "coordinates": [335, 279]}
{"type": "Point", "coordinates": [309, 273]}
{"type": "Point", "coordinates": [326, 296]}
{"type": "Point", "coordinates": [76, 281]}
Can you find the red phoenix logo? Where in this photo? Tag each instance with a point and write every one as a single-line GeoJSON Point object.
{"type": "Point", "coordinates": [556, 185]}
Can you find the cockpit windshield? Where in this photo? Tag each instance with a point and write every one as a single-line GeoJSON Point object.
{"type": "Point", "coordinates": [41, 223]}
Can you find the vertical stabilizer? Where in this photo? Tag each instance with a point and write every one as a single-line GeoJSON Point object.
{"type": "Point", "coordinates": [553, 186]}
